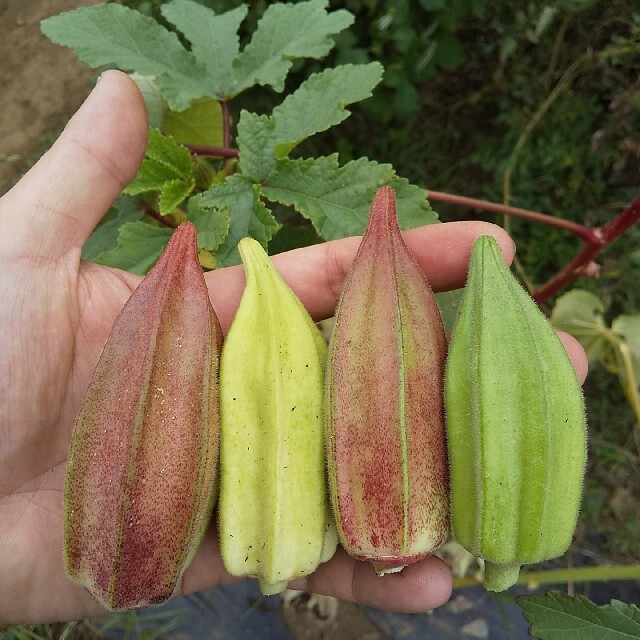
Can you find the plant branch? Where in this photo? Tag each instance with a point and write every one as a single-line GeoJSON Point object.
{"type": "Point", "coordinates": [576, 267]}
{"type": "Point", "coordinates": [533, 579]}
{"type": "Point", "coordinates": [557, 45]}
{"type": "Point", "coordinates": [594, 239]}
{"type": "Point", "coordinates": [617, 226]}
{"type": "Point", "coordinates": [150, 211]}
{"type": "Point", "coordinates": [586, 233]}
{"type": "Point", "coordinates": [218, 152]}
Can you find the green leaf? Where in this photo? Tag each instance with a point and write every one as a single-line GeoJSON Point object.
{"type": "Point", "coordinates": [558, 616]}
{"type": "Point", "coordinates": [173, 193]}
{"type": "Point", "coordinates": [287, 31]}
{"type": "Point", "coordinates": [214, 39]}
{"type": "Point", "coordinates": [337, 199]}
{"type": "Point", "coordinates": [255, 144]}
{"type": "Point", "coordinates": [293, 237]}
{"type": "Point", "coordinates": [152, 176]}
{"type": "Point", "coordinates": [247, 216]}
{"type": "Point", "coordinates": [110, 34]}
{"type": "Point", "coordinates": [413, 205]}
{"type": "Point", "coordinates": [211, 223]}
{"type": "Point", "coordinates": [169, 153]}
{"type": "Point", "coordinates": [318, 104]}
{"type": "Point", "coordinates": [168, 169]}
{"type": "Point", "coordinates": [580, 313]}
{"type": "Point", "coordinates": [153, 100]}
{"type": "Point", "coordinates": [201, 124]}
{"type": "Point", "coordinates": [139, 246]}
{"type": "Point", "coordinates": [105, 235]}
{"type": "Point", "coordinates": [628, 328]}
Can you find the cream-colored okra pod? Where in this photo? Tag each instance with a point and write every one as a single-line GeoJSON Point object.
{"type": "Point", "coordinates": [274, 517]}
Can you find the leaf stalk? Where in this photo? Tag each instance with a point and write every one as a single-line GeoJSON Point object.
{"type": "Point", "coordinates": [533, 579]}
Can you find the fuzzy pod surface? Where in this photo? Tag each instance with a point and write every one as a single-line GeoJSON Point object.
{"type": "Point", "coordinates": [273, 514]}
{"type": "Point", "coordinates": [385, 434]}
{"type": "Point", "coordinates": [141, 476]}
{"type": "Point", "coordinates": [516, 425]}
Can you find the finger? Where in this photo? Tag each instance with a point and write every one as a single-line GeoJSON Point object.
{"type": "Point", "coordinates": [419, 587]}
{"type": "Point", "coordinates": [576, 354]}
{"type": "Point", "coordinates": [317, 273]}
{"type": "Point", "coordinates": [61, 199]}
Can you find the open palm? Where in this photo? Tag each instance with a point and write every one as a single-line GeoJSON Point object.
{"type": "Point", "coordinates": [57, 311]}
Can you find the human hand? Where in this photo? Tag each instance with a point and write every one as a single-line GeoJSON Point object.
{"type": "Point", "coordinates": [58, 311]}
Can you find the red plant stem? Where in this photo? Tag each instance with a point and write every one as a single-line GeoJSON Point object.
{"type": "Point", "coordinates": [219, 152]}
{"type": "Point", "coordinates": [595, 239]}
{"type": "Point", "coordinates": [568, 273]}
{"type": "Point", "coordinates": [226, 151]}
{"type": "Point", "coordinates": [150, 211]}
{"type": "Point", "coordinates": [605, 236]}
{"type": "Point", "coordinates": [617, 226]}
{"type": "Point", "coordinates": [586, 233]}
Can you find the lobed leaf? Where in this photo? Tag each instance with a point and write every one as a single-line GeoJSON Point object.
{"type": "Point", "coordinates": [167, 152]}
{"type": "Point", "coordinates": [139, 246]}
{"type": "Point", "coordinates": [173, 193]}
{"type": "Point", "coordinates": [581, 313]}
{"type": "Point", "coordinates": [628, 328]}
{"type": "Point", "coordinates": [247, 214]}
{"type": "Point", "coordinates": [287, 31]}
{"type": "Point", "coordinates": [153, 100]}
{"type": "Point", "coordinates": [168, 169]}
{"type": "Point", "coordinates": [200, 124]}
{"type": "Point", "coordinates": [318, 104]}
{"type": "Point", "coordinates": [111, 34]}
{"type": "Point", "coordinates": [558, 616]}
{"type": "Point", "coordinates": [337, 198]}
{"type": "Point", "coordinates": [211, 223]}
{"type": "Point", "coordinates": [214, 40]}
{"type": "Point", "coordinates": [105, 235]}
{"type": "Point", "coordinates": [151, 176]}
{"type": "Point", "coordinates": [416, 210]}
{"type": "Point", "coordinates": [255, 143]}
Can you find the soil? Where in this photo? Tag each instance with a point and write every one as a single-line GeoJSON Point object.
{"type": "Point", "coordinates": [350, 623]}
{"type": "Point", "coordinates": [42, 84]}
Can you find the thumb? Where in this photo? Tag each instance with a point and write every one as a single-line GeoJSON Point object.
{"type": "Point", "coordinates": [58, 203]}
